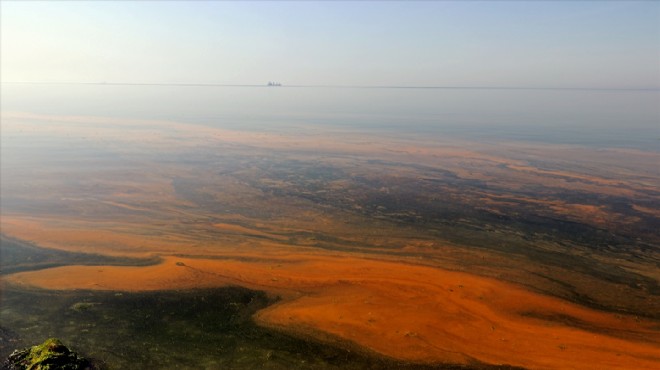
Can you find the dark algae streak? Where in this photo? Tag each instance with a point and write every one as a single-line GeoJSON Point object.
{"type": "Point", "coordinates": [17, 256]}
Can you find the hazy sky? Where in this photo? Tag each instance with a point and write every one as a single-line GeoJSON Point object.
{"type": "Point", "coordinates": [523, 43]}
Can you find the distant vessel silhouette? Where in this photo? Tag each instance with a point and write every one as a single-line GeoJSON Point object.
{"type": "Point", "coordinates": [273, 84]}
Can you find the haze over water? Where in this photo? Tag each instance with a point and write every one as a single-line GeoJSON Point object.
{"type": "Point", "coordinates": [595, 117]}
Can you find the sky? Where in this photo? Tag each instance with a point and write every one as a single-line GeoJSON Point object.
{"type": "Point", "coordinates": [593, 44]}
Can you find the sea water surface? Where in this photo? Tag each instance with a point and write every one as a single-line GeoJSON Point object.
{"type": "Point", "coordinates": [212, 328]}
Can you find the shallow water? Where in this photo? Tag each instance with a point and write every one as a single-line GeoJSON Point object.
{"type": "Point", "coordinates": [199, 329]}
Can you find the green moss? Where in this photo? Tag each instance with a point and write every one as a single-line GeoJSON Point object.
{"type": "Point", "coordinates": [50, 355]}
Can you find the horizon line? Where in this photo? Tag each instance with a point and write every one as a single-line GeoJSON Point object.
{"type": "Point", "coordinates": [438, 87]}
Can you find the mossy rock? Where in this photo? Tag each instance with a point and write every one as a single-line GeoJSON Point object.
{"type": "Point", "coordinates": [50, 355]}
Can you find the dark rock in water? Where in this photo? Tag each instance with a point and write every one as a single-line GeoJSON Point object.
{"type": "Point", "coordinates": [50, 355]}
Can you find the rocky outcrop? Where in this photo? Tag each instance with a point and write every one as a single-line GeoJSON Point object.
{"type": "Point", "coordinates": [50, 355]}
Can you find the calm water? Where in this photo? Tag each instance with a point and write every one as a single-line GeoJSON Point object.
{"type": "Point", "coordinates": [590, 117]}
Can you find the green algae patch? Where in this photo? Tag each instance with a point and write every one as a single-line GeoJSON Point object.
{"type": "Point", "coordinates": [83, 306]}
{"type": "Point", "coordinates": [50, 355]}
{"type": "Point", "coordinates": [190, 329]}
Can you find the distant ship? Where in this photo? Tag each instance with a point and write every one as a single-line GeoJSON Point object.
{"type": "Point", "coordinates": [274, 84]}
